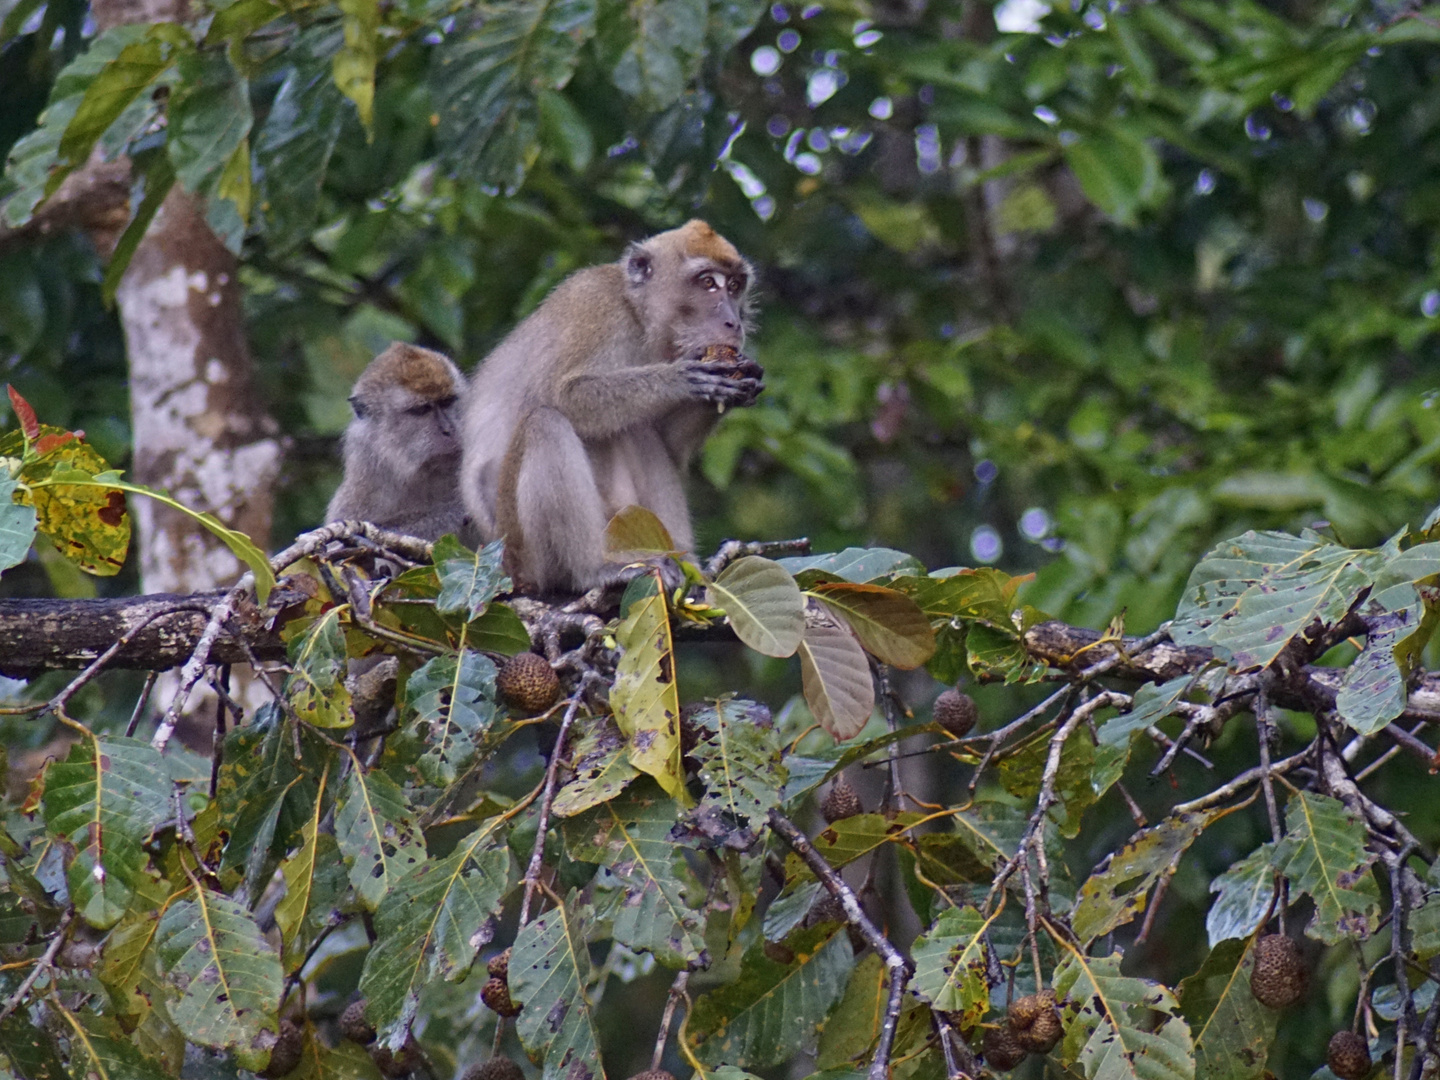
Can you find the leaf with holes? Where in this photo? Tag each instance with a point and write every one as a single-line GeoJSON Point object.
{"type": "Point", "coordinates": [1152, 702]}
{"type": "Point", "coordinates": [106, 798]}
{"type": "Point", "coordinates": [602, 770]}
{"type": "Point", "coordinates": [776, 1006]}
{"type": "Point", "coordinates": [221, 976]}
{"type": "Point", "coordinates": [740, 763]}
{"type": "Point", "coordinates": [1233, 1031]}
{"type": "Point", "coordinates": [1323, 853]}
{"type": "Point", "coordinates": [645, 697]}
{"type": "Point", "coordinates": [763, 604]}
{"type": "Point", "coordinates": [1114, 1036]}
{"type": "Point", "coordinates": [429, 927]}
{"type": "Point", "coordinates": [889, 624]}
{"type": "Point", "coordinates": [316, 686]}
{"type": "Point", "coordinates": [377, 833]}
{"type": "Point", "coordinates": [854, 1024]}
{"type": "Point", "coordinates": [549, 971]}
{"type": "Point", "coordinates": [1374, 690]}
{"type": "Point", "coordinates": [835, 675]}
{"type": "Point", "coordinates": [630, 837]}
{"type": "Point", "coordinates": [469, 580]}
{"type": "Point", "coordinates": [1116, 892]}
{"type": "Point", "coordinates": [950, 965]}
{"type": "Point", "coordinates": [453, 699]}
{"type": "Point", "coordinates": [88, 524]}
{"type": "Point", "coordinates": [1252, 595]}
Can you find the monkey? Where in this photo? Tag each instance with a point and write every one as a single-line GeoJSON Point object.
{"type": "Point", "coordinates": [402, 456]}
{"type": "Point", "coordinates": [598, 400]}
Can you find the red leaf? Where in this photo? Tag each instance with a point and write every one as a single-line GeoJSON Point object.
{"type": "Point", "coordinates": [46, 443]}
{"type": "Point", "coordinates": [24, 413]}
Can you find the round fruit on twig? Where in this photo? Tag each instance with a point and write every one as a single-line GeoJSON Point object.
{"type": "Point", "coordinates": [1036, 1022]}
{"type": "Point", "coordinates": [1278, 978]}
{"type": "Point", "coordinates": [354, 1026]}
{"type": "Point", "coordinates": [393, 1066]}
{"type": "Point", "coordinates": [285, 1054]}
{"type": "Point", "coordinates": [1001, 1049]}
{"type": "Point", "coordinates": [496, 994]}
{"type": "Point", "coordinates": [1348, 1056]}
{"type": "Point", "coordinates": [497, 1068]}
{"type": "Point", "coordinates": [528, 683]}
{"type": "Point", "coordinates": [841, 801]}
{"type": "Point", "coordinates": [499, 965]}
{"type": "Point", "coordinates": [955, 712]}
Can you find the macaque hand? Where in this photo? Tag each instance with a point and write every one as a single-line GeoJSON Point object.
{"type": "Point", "coordinates": [726, 384]}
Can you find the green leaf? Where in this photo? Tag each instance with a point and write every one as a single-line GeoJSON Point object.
{"type": "Point", "coordinates": [294, 147]}
{"type": "Point", "coordinates": [156, 180]}
{"type": "Point", "coordinates": [1233, 1031]}
{"type": "Point", "coordinates": [377, 833]}
{"type": "Point", "coordinates": [630, 837]}
{"type": "Point", "coordinates": [835, 675]}
{"type": "Point", "coordinates": [855, 564]}
{"type": "Point", "coordinates": [1246, 890]}
{"type": "Point", "coordinates": [1119, 172]}
{"type": "Point", "coordinates": [665, 53]}
{"type": "Point", "coordinates": [773, 1010]}
{"type": "Point", "coordinates": [1152, 702]}
{"type": "Point", "coordinates": [565, 131]}
{"type": "Point", "coordinates": [740, 763]}
{"type": "Point", "coordinates": [645, 698]}
{"type": "Point", "coordinates": [602, 769]}
{"type": "Point", "coordinates": [354, 65]}
{"type": "Point", "coordinates": [499, 630]}
{"type": "Point", "coordinates": [222, 977]}
{"type": "Point", "coordinates": [130, 973]}
{"type": "Point", "coordinates": [136, 67]}
{"type": "Point", "coordinates": [429, 927]}
{"type": "Point", "coordinates": [99, 1048]}
{"type": "Point", "coordinates": [846, 840]}
{"type": "Point", "coordinates": [635, 532]}
{"type": "Point", "coordinates": [453, 698]}
{"type": "Point", "coordinates": [763, 604]}
{"type": "Point", "coordinates": [31, 1049]}
{"type": "Point", "coordinates": [316, 686]}
{"type": "Point", "coordinates": [486, 84]}
{"type": "Point", "coordinates": [1323, 853]}
{"type": "Point", "coordinates": [209, 119]}
{"type": "Point", "coordinates": [299, 872]}
{"type": "Point", "coordinates": [549, 971]}
{"type": "Point", "coordinates": [106, 798]}
{"type": "Point", "coordinates": [1374, 688]}
{"type": "Point", "coordinates": [950, 965]}
{"type": "Point", "coordinates": [1086, 772]}
{"type": "Point", "coordinates": [889, 624]}
{"type": "Point", "coordinates": [1112, 1037]}
{"type": "Point", "coordinates": [1251, 595]}
{"type": "Point", "coordinates": [1115, 893]}
{"type": "Point", "coordinates": [854, 1024]}
{"type": "Point", "coordinates": [468, 580]}
{"type": "Point", "coordinates": [17, 526]}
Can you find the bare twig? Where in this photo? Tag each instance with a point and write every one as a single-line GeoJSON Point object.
{"type": "Point", "coordinates": [677, 991]}
{"type": "Point", "coordinates": [44, 964]}
{"type": "Point", "coordinates": [896, 965]}
{"type": "Point", "coordinates": [552, 771]}
{"type": "Point", "coordinates": [731, 550]}
{"type": "Point", "coordinates": [997, 737]}
{"type": "Point", "coordinates": [140, 703]}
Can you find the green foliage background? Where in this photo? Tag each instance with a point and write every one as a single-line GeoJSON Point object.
{"type": "Point", "coordinates": [1112, 290]}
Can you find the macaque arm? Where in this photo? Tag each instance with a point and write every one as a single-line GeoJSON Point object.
{"type": "Point", "coordinates": [601, 404]}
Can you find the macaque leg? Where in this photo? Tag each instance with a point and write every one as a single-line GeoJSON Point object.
{"type": "Point", "coordinates": [561, 516]}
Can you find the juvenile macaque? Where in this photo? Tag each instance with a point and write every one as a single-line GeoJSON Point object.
{"type": "Point", "coordinates": [402, 451]}
{"type": "Point", "coordinates": [599, 398]}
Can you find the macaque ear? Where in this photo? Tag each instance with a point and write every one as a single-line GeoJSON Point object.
{"type": "Point", "coordinates": [638, 267]}
{"type": "Point", "coordinates": [358, 407]}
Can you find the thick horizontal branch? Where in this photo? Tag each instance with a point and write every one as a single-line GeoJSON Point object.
{"type": "Point", "coordinates": [66, 635]}
{"type": "Point", "coordinates": [1309, 689]}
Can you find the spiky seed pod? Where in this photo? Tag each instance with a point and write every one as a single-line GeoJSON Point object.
{"type": "Point", "coordinates": [653, 1074]}
{"type": "Point", "coordinates": [1001, 1049]}
{"type": "Point", "coordinates": [956, 712]}
{"type": "Point", "coordinates": [841, 801]}
{"type": "Point", "coordinates": [1035, 1021]}
{"type": "Point", "coordinates": [397, 1065]}
{"type": "Point", "coordinates": [499, 965]}
{"type": "Point", "coordinates": [1348, 1056]}
{"type": "Point", "coordinates": [497, 1068]}
{"type": "Point", "coordinates": [285, 1054]}
{"type": "Point", "coordinates": [496, 994]}
{"type": "Point", "coordinates": [354, 1026]}
{"type": "Point", "coordinates": [1278, 978]}
{"type": "Point", "coordinates": [528, 683]}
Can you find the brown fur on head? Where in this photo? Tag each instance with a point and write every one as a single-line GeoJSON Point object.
{"type": "Point", "coordinates": [423, 372]}
{"type": "Point", "coordinates": [665, 279]}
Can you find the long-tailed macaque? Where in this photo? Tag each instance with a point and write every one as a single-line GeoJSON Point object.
{"type": "Point", "coordinates": [599, 398]}
{"type": "Point", "coordinates": [402, 451]}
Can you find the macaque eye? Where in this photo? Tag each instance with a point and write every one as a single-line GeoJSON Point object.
{"type": "Point", "coordinates": [419, 410]}
{"type": "Point", "coordinates": [709, 282]}
{"type": "Point", "coordinates": [736, 285]}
